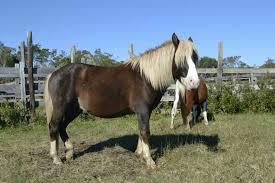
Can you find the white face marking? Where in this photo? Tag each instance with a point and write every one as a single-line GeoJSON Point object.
{"type": "Point", "coordinates": [192, 79]}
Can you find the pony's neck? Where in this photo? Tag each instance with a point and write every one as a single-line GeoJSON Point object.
{"type": "Point", "coordinates": [156, 65]}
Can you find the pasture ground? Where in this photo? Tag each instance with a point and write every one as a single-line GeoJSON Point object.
{"type": "Point", "coordinates": [234, 148]}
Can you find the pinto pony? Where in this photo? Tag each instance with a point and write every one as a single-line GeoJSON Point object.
{"type": "Point", "coordinates": [133, 87]}
{"type": "Point", "coordinates": [191, 100]}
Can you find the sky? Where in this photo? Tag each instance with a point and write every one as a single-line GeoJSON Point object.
{"type": "Point", "coordinates": [247, 27]}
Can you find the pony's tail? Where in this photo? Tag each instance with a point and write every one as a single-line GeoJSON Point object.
{"type": "Point", "coordinates": [48, 100]}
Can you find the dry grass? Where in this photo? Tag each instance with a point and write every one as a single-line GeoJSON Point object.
{"type": "Point", "coordinates": [234, 148]}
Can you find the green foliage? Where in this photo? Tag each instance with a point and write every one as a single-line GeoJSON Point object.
{"type": "Point", "coordinates": [8, 56]}
{"type": "Point", "coordinates": [259, 100]}
{"type": "Point", "coordinates": [247, 100]}
{"type": "Point", "coordinates": [270, 63]}
{"type": "Point", "coordinates": [103, 58]}
{"type": "Point", "coordinates": [11, 115]}
{"type": "Point", "coordinates": [225, 101]}
{"type": "Point", "coordinates": [207, 62]}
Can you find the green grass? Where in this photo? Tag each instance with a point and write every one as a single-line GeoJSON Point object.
{"type": "Point", "coordinates": [234, 148]}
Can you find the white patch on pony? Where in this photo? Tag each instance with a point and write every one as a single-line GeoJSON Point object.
{"type": "Point", "coordinates": [147, 156]}
{"type": "Point", "coordinates": [204, 113]}
{"type": "Point", "coordinates": [69, 145]}
{"type": "Point", "coordinates": [192, 80]}
{"type": "Point", "coordinates": [180, 89]}
{"type": "Point", "coordinates": [81, 105]}
{"type": "Point", "coordinates": [139, 147]}
{"type": "Point", "coordinates": [53, 152]}
{"type": "Point", "coordinates": [69, 149]}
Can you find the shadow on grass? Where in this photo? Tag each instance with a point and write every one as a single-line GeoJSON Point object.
{"type": "Point", "coordinates": [158, 142]}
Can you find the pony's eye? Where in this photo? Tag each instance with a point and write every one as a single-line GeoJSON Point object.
{"type": "Point", "coordinates": [184, 71]}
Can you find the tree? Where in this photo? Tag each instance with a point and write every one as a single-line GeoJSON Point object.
{"type": "Point", "coordinates": [242, 64]}
{"type": "Point", "coordinates": [207, 62]}
{"type": "Point", "coordinates": [43, 56]}
{"type": "Point", "coordinates": [103, 58]}
{"type": "Point", "coordinates": [8, 56]}
{"type": "Point", "coordinates": [61, 59]}
{"type": "Point", "coordinates": [234, 62]}
{"type": "Point", "coordinates": [269, 63]}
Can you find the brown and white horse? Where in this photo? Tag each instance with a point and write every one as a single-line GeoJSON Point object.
{"type": "Point", "coordinates": [134, 87]}
{"type": "Point", "coordinates": [192, 100]}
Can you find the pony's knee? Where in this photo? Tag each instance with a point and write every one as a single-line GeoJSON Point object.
{"type": "Point", "coordinates": [144, 133]}
{"type": "Point", "coordinates": [53, 131]}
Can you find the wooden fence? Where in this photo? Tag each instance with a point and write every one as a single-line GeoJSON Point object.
{"type": "Point", "coordinates": [17, 90]}
{"type": "Point", "coordinates": [17, 87]}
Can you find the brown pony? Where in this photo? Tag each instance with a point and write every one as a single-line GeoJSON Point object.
{"type": "Point", "coordinates": [134, 87]}
{"type": "Point", "coordinates": [193, 100]}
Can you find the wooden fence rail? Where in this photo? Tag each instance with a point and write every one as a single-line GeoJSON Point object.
{"type": "Point", "coordinates": [12, 91]}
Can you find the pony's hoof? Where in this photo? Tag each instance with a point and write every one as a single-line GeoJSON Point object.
{"type": "Point", "coordinates": [188, 128]}
{"type": "Point", "coordinates": [138, 154]}
{"type": "Point", "coordinates": [150, 163]}
{"type": "Point", "coordinates": [206, 123]}
{"type": "Point", "coordinates": [57, 161]}
{"type": "Point", "coordinates": [171, 127]}
{"type": "Point", "coordinates": [69, 155]}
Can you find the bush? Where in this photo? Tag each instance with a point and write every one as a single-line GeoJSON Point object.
{"type": "Point", "coordinates": [226, 101]}
{"type": "Point", "coordinates": [11, 115]}
{"type": "Point", "coordinates": [246, 100]}
{"type": "Point", "coordinates": [259, 101]}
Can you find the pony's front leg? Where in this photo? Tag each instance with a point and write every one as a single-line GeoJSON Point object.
{"type": "Point", "coordinates": [144, 135]}
{"type": "Point", "coordinates": [174, 109]}
{"type": "Point", "coordinates": [185, 114]}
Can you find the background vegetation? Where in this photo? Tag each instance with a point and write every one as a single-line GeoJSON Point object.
{"type": "Point", "coordinates": [53, 57]}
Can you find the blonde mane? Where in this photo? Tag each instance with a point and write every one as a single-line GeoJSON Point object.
{"type": "Point", "coordinates": [156, 64]}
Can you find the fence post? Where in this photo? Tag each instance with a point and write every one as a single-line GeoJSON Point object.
{"type": "Point", "coordinates": [22, 73]}
{"type": "Point", "coordinates": [17, 83]}
{"type": "Point", "coordinates": [131, 51]}
{"type": "Point", "coordinates": [219, 69]}
{"type": "Point", "coordinates": [30, 73]}
{"type": "Point", "coordinates": [73, 50]}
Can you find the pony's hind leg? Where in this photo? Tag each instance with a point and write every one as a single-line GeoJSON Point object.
{"type": "Point", "coordinates": [204, 112]}
{"type": "Point", "coordinates": [54, 139]}
{"type": "Point", "coordinates": [195, 113]}
{"type": "Point", "coordinates": [69, 149]}
{"type": "Point", "coordinates": [70, 115]}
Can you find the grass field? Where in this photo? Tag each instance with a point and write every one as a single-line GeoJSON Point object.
{"type": "Point", "coordinates": [234, 148]}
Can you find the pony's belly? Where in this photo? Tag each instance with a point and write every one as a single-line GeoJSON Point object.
{"type": "Point", "coordinates": [104, 107]}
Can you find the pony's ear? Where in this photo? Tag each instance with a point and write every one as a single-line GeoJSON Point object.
{"type": "Point", "coordinates": [175, 40]}
{"type": "Point", "coordinates": [190, 39]}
